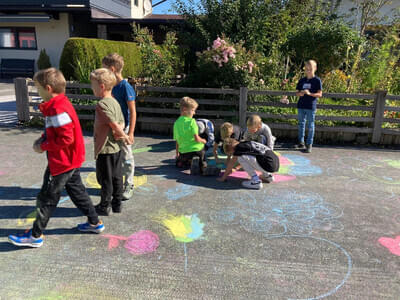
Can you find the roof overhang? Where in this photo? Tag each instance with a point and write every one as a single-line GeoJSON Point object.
{"type": "Point", "coordinates": [24, 18]}
{"type": "Point", "coordinates": [153, 19]}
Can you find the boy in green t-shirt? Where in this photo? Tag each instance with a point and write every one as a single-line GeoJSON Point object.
{"type": "Point", "coordinates": [189, 145]}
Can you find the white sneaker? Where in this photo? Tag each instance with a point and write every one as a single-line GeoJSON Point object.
{"type": "Point", "coordinates": [128, 192]}
{"type": "Point", "coordinates": [252, 185]}
{"type": "Point", "coordinates": [268, 178]}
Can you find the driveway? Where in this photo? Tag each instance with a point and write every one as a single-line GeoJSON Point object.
{"type": "Point", "coordinates": [328, 227]}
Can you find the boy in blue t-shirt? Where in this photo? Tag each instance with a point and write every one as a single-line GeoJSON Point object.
{"type": "Point", "coordinates": [308, 88]}
{"type": "Point", "coordinates": [126, 96]}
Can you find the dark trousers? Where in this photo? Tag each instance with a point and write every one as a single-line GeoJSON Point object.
{"type": "Point", "coordinates": [49, 196]}
{"type": "Point", "coordinates": [109, 176]}
{"type": "Point", "coordinates": [185, 159]}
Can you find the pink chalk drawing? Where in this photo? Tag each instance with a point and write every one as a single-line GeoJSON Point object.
{"type": "Point", "coordinates": [2, 173]}
{"type": "Point", "coordinates": [141, 242]}
{"type": "Point", "coordinates": [279, 177]}
{"type": "Point", "coordinates": [393, 245]}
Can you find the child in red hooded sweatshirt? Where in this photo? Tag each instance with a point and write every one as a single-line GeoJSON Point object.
{"type": "Point", "coordinates": [63, 141]}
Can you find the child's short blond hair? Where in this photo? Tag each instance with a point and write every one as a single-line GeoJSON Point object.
{"type": "Point", "coordinates": [114, 60]}
{"type": "Point", "coordinates": [53, 78]}
{"type": "Point", "coordinates": [311, 63]}
{"type": "Point", "coordinates": [187, 102]}
{"type": "Point", "coordinates": [254, 120]}
{"type": "Point", "coordinates": [226, 130]}
{"type": "Point", "coordinates": [104, 76]}
{"type": "Point", "coordinates": [229, 145]}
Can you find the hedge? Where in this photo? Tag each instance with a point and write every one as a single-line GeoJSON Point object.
{"type": "Point", "coordinates": [90, 52]}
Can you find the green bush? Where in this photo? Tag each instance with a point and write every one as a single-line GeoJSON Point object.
{"type": "Point", "coordinates": [161, 63]}
{"type": "Point", "coordinates": [43, 61]}
{"type": "Point", "coordinates": [330, 44]}
{"type": "Point", "coordinates": [82, 53]}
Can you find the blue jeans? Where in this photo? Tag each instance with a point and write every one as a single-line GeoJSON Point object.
{"type": "Point", "coordinates": [309, 115]}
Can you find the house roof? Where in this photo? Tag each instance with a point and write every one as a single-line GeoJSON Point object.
{"type": "Point", "coordinates": [44, 5]}
{"type": "Point", "coordinates": [150, 19]}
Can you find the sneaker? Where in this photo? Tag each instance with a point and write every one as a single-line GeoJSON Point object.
{"type": "Point", "coordinates": [128, 192]}
{"type": "Point", "coordinates": [195, 166]}
{"type": "Point", "coordinates": [26, 239]}
{"type": "Point", "coordinates": [211, 171]}
{"type": "Point", "coordinates": [116, 208]}
{"type": "Point", "coordinates": [300, 146]}
{"type": "Point", "coordinates": [268, 178]}
{"type": "Point", "coordinates": [308, 148]}
{"type": "Point", "coordinates": [103, 210]}
{"type": "Point", "coordinates": [86, 227]}
{"type": "Point", "coordinates": [252, 184]}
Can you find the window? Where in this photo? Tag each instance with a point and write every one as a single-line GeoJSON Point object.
{"type": "Point", "coordinates": [136, 2]}
{"type": "Point", "coordinates": [18, 38]}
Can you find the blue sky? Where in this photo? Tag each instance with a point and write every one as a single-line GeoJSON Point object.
{"type": "Point", "coordinates": [164, 8]}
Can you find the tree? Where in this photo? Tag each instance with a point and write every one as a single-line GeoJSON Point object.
{"type": "Point", "coordinates": [368, 12]}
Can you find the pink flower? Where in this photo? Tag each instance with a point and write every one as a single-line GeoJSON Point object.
{"type": "Point", "coordinates": [217, 43]}
{"type": "Point", "coordinates": [251, 65]}
{"type": "Point", "coordinates": [158, 52]}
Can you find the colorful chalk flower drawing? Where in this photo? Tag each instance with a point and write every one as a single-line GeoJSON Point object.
{"type": "Point", "coordinates": [393, 245]}
{"type": "Point", "coordinates": [291, 166]}
{"type": "Point", "coordinates": [276, 213]}
{"type": "Point", "coordinates": [141, 242]}
{"type": "Point", "coordinates": [184, 229]}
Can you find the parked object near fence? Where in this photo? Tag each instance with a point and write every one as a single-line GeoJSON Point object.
{"type": "Point", "coordinates": [234, 105]}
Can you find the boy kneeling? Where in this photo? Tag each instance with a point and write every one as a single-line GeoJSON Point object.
{"type": "Point", "coordinates": [253, 157]}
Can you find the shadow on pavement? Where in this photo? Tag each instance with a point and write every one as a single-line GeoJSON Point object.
{"type": "Point", "coordinates": [22, 212]}
{"type": "Point", "coordinates": [29, 194]}
{"type": "Point", "coordinates": [171, 172]}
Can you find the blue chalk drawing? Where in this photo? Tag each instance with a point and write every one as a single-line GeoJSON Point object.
{"type": "Point", "coordinates": [302, 166]}
{"type": "Point", "coordinates": [349, 265]}
{"type": "Point", "coordinates": [180, 191]}
{"type": "Point", "coordinates": [146, 189]}
{"type": "Point", "coordinates": [285, 214]}
{"type": "Point", "coordinates": [279, 213]}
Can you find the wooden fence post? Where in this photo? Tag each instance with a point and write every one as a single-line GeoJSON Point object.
{"type": "Point", "coordinates": [243, 107]}
{"type": "Point", "coordinates": [379, 108]}
{"type": "Point", "coordinates": [22, 99]}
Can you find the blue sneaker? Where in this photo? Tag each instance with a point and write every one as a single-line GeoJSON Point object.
{"type": "Point", "coordinates": [86, 227]}
{"type": "Point", "coordinates": [26, 239]}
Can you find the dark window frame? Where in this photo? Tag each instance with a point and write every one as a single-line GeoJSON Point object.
{"type": "Point", "coordinates": [17, 31]}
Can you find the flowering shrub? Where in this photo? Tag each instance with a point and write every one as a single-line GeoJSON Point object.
{"type": "Point", "coordinates": [226, 65]}
{"type": "Point", "coordinates": [160, 64]}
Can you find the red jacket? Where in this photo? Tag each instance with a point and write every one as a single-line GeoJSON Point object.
{"type": "Point", "coordinates": [63, 139]}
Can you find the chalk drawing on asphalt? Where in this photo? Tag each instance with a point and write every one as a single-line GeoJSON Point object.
{"type": "Point", "coordinates": [291, 167]}
{"type": "Point", "coordinates": [337, 246]}
{"type": "Point", "coordinates": [180, 191]}
{"type": "Point", "coordinates": [139, 243]}
{"type": "Point", "coordinates": [184, 229]}
{"type": "Point", "coordinates": [278, 213]}
{"type": "Point", "coordinates": [393, 245]}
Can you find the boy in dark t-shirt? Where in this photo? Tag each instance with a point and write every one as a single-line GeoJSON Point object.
{"type": "Point", "coordinates": [227, 130]}
{"type": "Point", "coordinates": [253, 157]}
{"type": "Point", "coordinates": [308, 88]}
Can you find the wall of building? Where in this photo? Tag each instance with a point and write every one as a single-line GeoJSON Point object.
{"type": "Point", "coordinates": [120, 8]}
{"type": "Point", "coordinates": [49, 35]}
{"type": "Point", "coordinates": [346, 5]}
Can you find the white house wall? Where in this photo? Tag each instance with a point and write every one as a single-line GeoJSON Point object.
{"type": "Point", "coordinates": [120, 8]}
{"type": "Point", "coordinates": [49, 35]}
{"type": "Point", "coordinates": [387, 10]}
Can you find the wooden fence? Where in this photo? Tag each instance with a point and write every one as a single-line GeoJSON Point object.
{"type": "Point", "coordinates": [236, 106]}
